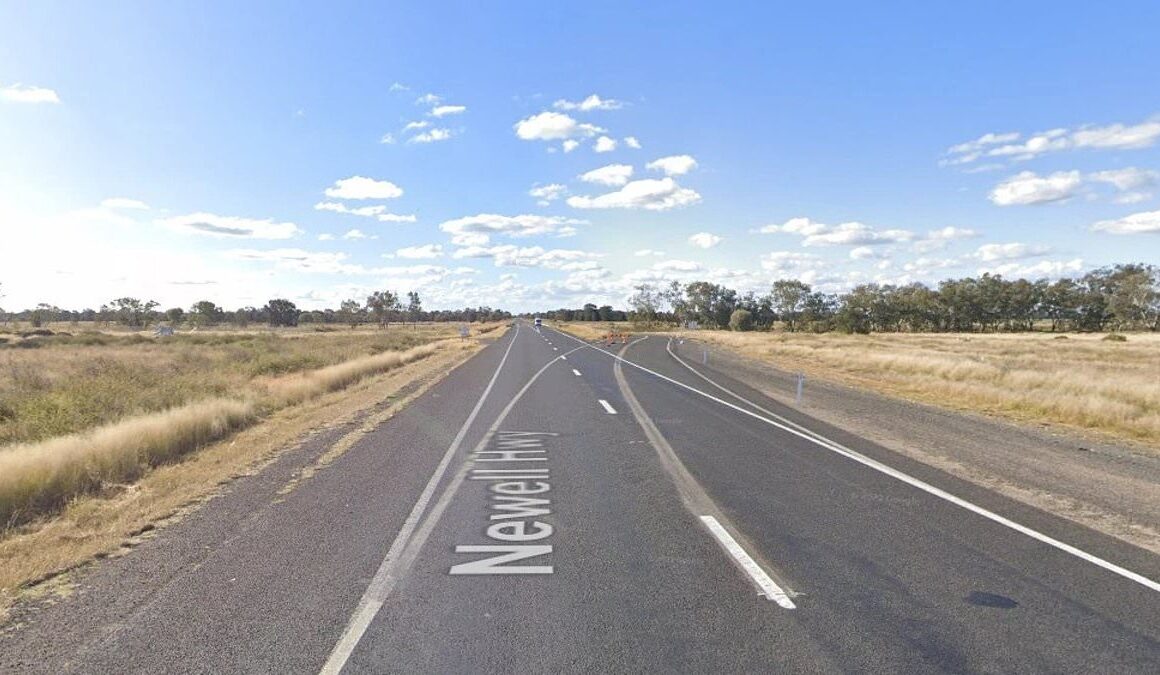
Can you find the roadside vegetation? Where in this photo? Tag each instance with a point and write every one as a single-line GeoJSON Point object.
{"type": "Point", "coordinates": [82, 411]}
{"type": "Point", "coordinates": [1083, 352]}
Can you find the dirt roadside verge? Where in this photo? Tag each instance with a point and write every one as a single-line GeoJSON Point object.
{"type": "Point", "coordinates": [1105, 485]}
{"type": "Point", "coordinates": [32, 560]}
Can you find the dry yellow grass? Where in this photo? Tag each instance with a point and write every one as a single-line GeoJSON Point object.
{"type": "Point", "coordinates": [105, 523]}
{"type": "Point", "coordinates": [40, 476]}
{"type": "Point", "coordinates": [1082, 381]}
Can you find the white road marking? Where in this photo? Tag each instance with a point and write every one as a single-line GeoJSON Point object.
{"type": "Point", "coordinates": [768, 588]}
{"type": "Point", "coordinates": [555, 349]}
{"type": "Point", "coordinates": [376, 593]}
{"type": "Point", "coordinates": [563, 358]}
{"type": "Point", "coordinates": [607, 407]}
{"type": "Point", "coordinates": [790, 427]}
{"type": "Point", "coordinates": [576, 372]}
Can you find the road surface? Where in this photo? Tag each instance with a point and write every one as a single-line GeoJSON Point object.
{"type": "Point", "coordinates": [559, 506]}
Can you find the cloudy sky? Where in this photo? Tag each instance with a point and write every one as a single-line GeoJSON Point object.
{"type": "Point", "coordinates": [529, 157]}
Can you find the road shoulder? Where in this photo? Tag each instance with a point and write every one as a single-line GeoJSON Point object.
{"type": "Point", "coordinates": [1109, 488]}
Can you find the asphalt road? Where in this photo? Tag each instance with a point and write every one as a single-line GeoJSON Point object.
{"type": "Point", "coordinates": [556, 506]}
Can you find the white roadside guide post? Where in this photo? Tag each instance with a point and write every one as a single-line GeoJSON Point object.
{"type": "Point", "coordinates": [801, 378]}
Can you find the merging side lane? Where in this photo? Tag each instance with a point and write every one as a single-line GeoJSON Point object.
{"type": "Point", "coordinates": [893, 576]}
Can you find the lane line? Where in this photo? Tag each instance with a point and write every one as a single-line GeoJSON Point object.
{"type": "Point", "coordinates": [607, 406]}
{"type": "Point", "coordinates": [835, 447]}
{"type": "Point", "coordinates": [372, 599]}
{"type": "Point", "coordinates": [768, 588]}
{"type": "Point", "coordinates": [576, 372]}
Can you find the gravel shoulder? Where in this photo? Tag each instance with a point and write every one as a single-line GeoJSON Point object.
{"type": "Point", "coordinates": [1113, 488]}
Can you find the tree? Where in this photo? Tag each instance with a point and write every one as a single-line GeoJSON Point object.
{"type": "Point", "coordinates": [174, 315]}
{"type": "Point", "coordinates": [788, 298]}
{"type": "Point", "coordinates": [281, 312]}
{"type": "Point", "coordinates": [381, 304]}
{"type": "Point", "coordinates": [205, 313]}
{"type": "Point", "coordinates": [741, 319]}
{"type": "Point", "coordinates": [351, 312]}
{"type": "Point", "coordinates": [646, 304]}
{"type": "Point", "coordinates": [414, 306]}
{"type": "Point", "coordinates": [132, 312]}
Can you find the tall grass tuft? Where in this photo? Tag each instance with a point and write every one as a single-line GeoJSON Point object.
{"type": "Point", "coordinates": [40, 477]}
{"type": "Point", "coordinates": [298, 388]}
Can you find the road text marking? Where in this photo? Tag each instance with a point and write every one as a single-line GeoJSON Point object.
{"type": "Point", "coordinates": [768, 588]}
{"type": "Point", "coordinates": [519, 499]}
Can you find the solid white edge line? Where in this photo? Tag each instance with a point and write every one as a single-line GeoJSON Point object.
{"type": "Point", "coordinates": [910, 480]}
{"type": "Point", "coordinates": [372, 599]}
{"type": "Point", "coordinates": [607, 406]}
{"type": "Point", "coordinates": [768, 588]}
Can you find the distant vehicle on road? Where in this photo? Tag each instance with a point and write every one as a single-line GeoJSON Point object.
{"type": "Point", "coordinates": [538, 321]}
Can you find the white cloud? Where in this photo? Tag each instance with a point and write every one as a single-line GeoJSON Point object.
{"type": "Point", "coordinates": [1132, 183]}
{"type": "Point", "coordinates": [570, 145]}
{"type": "Point", "coordinates": [678, 266]}
{"type": "Point", "coordinates": [1046, 268]}
{"type": "Point", "coordinates": [866, 253]}
{"type": "Point", "coordinates": [705, 240]}
{"type": "Point", "coordinates": [649, 194]}
{"type": "Point", "coordinates": [508, 255]}
{"type": "Point", "coordinates": [418, 124]}
{"type": "Point", "coordinates": [326, 237]}
{"type": "Point", "coordinates": [475, 230]}
{"type": "Point", "coordinates": [337, 207]}
{"type": "Point", "coordinates": [547, 194]}
{"type": "Point", "coordinates": [631, 142]}
{"type": "Point", "coordinates": [790, 262]}
{"type": "Point", "coordinates": [387, 139]}
{"type": "Point", "coordinates": [432, 136]}
{"type": "Point", "coordinates": [1130, 178]}
{"type": "Point", "coordinates": [1011, 251]}
{"type": "Point", "coordinates": [553, 126]}
{"type": "Point", "coordinates": [424, 252]}
{"type": "Point", "coordinates": [354, 234]}
{"type": "Point", "coordinates": [231, 226]}
{"type": "Point", "coordinates": [1136, 223]}
{"type": "Point", "coordinates": [123, 203]}
{"type": "Point", "coordinates": [843, 234]}
{"type": "Point", "coordinates": [23, 93]}
{"type": "Point", "coordinates": [299, 260]}
{"type": "Point", "coordinates": [445, 110]}
{"type": "Point", "coordinates": [937, 239]}
{"type": "Point", "coordinates": [398, 86]}
{"type": "Point", "coordinates": [1113, 136]}
{"type": "Point", "coordinates": [396, 218]}
{"type": "Point", "coordinates": [675, 165]}
{"type": "Point", "coordinates": [1027, 188]}
{"type": "Point", "coordinates": [611, 174]}
{"type": "Point", "coordinates": [648, 252]}
{"type": "Point", "coordinates": [593, 102]}
{"type": "Point", "coordinates": [359, 187]}
{"type": "Point", "coordinates": [428, 99]}
{"type": "Point", "coordinates": [604, 144]}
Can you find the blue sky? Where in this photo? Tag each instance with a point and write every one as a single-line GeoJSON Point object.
{"type": "Point", "coordinates": [184, 151]}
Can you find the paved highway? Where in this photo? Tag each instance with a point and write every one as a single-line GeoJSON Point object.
{"type": "Point", "coordinates": [554, 505]}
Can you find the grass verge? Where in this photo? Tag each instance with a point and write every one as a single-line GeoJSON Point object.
{"type": "Point", "coordinates": [39, 478]}
{"type": "Point", "coordinates": [113, 520]}
{"type": "Point", "coordinates": [1082, 382]}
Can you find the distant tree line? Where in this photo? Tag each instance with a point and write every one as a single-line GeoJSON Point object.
{"type": "Point", "coordinates": [1121, 297]}
{"type": "Point", "coordinates": [381, 307]}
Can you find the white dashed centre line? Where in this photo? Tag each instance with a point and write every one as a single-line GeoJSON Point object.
{"type": "Point", "coordinates": [607, 408]}
{"type": "Point", "coordinates": [576, 372]}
